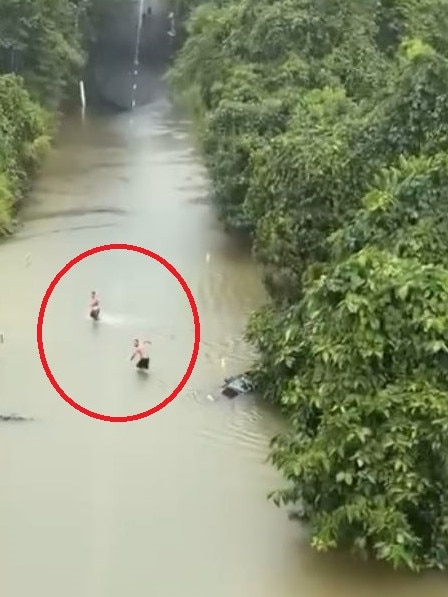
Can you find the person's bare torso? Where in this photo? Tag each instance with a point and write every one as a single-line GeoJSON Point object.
{"type": "Point", "coordinates": [141, 351]}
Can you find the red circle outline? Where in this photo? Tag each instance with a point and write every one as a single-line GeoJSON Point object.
{"type": "Point", "coordinates": [197, 332]}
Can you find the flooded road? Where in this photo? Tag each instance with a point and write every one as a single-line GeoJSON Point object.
{"type": "Point", "coordinates": [174, 505]}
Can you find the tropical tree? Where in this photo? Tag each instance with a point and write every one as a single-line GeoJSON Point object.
{"type": "Point", "coordinates": [23, 141]}
{"type": "Point", "coordinates": [406, 213]}
{"type": "Point", "coordinates": [324, 128]}
{"type": "Point", "coordinates": [44, 41]}
{"type": "Point", "coordinates": [367, 455]}
{"type": "Point", "coordinates": [42, 51]}
{"type": "Point", "coordinates": [46, 37]}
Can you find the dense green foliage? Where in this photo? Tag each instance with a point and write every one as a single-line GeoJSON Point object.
{"type": "Point", "coordinates": [324, 126]}
{"type": "Point", "coordinates": [42, 51]}
{"type": "Point", "coordinates": [23, 138]}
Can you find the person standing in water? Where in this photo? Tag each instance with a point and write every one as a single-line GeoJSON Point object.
{"type": "Point", "coordinates": [140, 352]}
{"type": "Point", "coordinates": [94, 306]}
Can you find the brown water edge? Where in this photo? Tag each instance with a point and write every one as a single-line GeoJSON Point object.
{"type": "Point", "coordinates": [174, 505]}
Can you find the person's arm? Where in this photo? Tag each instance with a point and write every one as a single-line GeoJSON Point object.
{"type": "Point", "coordinates": [134, 354]}
{"type": "Point", "coordinates": [147, 342]}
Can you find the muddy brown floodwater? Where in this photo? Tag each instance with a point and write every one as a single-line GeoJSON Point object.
{"type": "Point", "coordinates": [174, 505]}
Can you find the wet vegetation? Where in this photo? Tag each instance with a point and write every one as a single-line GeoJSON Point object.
{"type": "Point", "coordinates": [324, 126]}
{"type": "Point", "coordinates": [43, 49]}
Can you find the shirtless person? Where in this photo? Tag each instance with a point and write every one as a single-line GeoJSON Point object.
{"type": "Point", "coordinates": [139, 350]}
{"type": "Point", "coordinates": [94, 306]}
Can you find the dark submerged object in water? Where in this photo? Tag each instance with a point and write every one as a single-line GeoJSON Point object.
{"type": "Point", "coordinates": [14, 418]}
{"type": "Point", "coordinates": [236, 385]}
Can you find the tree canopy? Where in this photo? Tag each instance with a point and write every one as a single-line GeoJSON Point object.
{"type": "Point", "coordinates": [42, 51]}
{"type": "Point", "coordinates": [324, 128]}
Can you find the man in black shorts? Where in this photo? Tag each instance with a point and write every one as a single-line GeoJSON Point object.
{"type": "Point", "coordinates": [140, 352]}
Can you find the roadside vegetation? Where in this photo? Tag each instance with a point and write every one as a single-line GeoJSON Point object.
{"type": "Point", "coordinates": [42, 52]}
{"type": "Point", "coordinates": [324, 126]}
